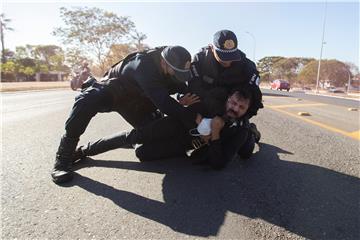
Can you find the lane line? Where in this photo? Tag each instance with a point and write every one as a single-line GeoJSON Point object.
{"type": "Point", "coordinates": [297, 105]}
{"type": "Point", "coordinates": [354, 135]}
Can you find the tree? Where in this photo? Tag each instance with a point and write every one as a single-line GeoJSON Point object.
{"type": "Point", "coordinates": [23, 52]}
{"type": "Point", "coordinates": [352, 68]}
{"type": "Point", "coordinates": [276, 67]}
{"type": "Point", "coordinates": [265, 67]}
{"type": "Point", "coordinates": [333, 71]}
{"type": "Point", "coordinates": [74, 57]}
{"type": "Point", "coordinates": [31, 59]}
{"type": "Point", "coordinates": [7, 71]}
{"type": "Point", "coordinates": [285, 69]}
{"type": "Point", "coordinates": [4, 27]}
{"type": "Point", "coordinates": [116, 53]}
{"type": "Point", "coordinates": [138, 38]}
{"type": "Point", "coordinates": [92, 30]}
{"type": "Point", "coordinates": [52, 55]}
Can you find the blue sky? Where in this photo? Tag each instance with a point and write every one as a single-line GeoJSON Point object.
{"type": "Point", "coordinates": [283, 28]}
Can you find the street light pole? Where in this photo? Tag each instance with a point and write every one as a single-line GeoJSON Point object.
{"type": "Point", "coordinates": [322, 45]}
{"type": "Point", "coordinates": [254, 44]}
{"type": "Point", "coordinates": [349, 82]}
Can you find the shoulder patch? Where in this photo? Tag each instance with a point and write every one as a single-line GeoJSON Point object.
{"type": "Point", "coordinates": [255, 79]}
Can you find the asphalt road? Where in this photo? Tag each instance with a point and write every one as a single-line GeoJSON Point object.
{"type": "Point", "coordinates": [301, 183]}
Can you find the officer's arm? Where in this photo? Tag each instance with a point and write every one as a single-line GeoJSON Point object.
{"type": "Point", "coordinates": [159, 95]}
{"type": "Point", "coordinates": [195, 84]}
{"type": "Point", "coordinates": [253, 79]}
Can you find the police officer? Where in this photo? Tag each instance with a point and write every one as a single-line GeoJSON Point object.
{"type": "Point", "coordinates": [80, 76]}
{"type": "Point", "coordinates": [227, 136]}
{"type": "Point", "coordinates": [135, 88]}
{"type": "Point", "coordinates": [221, 67]}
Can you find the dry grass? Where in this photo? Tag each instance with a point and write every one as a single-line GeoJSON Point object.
{"type": "Point", "coordinates": [25, 86]}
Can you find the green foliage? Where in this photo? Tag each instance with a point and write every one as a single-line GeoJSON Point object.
{"type": "Point", "coordinates": [28, 71]}
{"type": "Point", "coordinates": [308, 73]}
{"type": "Point", "coordinates": [42, 68]}
{"type": "Point", "coordinates": [265, 66]}
{"type": "Point", "coordinates": [30, 59]}
{"type": "Point", "coordinates": [8, 67]}
{"type": "Point", "coordinates": [51, 55]}
{"type": "Point", "coordinates": [74, 58]}
{"type": "Point", "coordinates": [275, 67]}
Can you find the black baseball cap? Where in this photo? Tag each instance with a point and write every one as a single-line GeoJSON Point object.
{"type": "Point", "coordinates": [179, 59]}
{"type": "Point", "coordinates": [225, 44]}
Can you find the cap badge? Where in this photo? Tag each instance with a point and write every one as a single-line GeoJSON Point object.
{"type": "Point", "coordinates": [229, 44]}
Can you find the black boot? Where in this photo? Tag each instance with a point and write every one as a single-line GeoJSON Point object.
{"type": "Point", "coordinates": [78, 155]}
{"type": "Point", "coordinates": [62, 169]}
{"type": "Point", "coordinates": [122, 140]}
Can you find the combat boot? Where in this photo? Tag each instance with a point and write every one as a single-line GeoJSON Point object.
{"type": "Point", "coordinates": [64, 157]}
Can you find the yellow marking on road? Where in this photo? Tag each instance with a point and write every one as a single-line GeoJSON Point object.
{"type": "Point", "coordinates": [354, 135]}
{"type": "Point", "coordinates": [297, 105]}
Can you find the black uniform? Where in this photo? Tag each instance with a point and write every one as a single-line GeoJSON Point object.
{"type": "Point", "coordinates": [213, 82]}
{"type": "Point", "coordinates": [135, 88]}
{"type": "Point", "coordinates": [234, 139]}
{"type": "Point", "coordinates": [169, 137]}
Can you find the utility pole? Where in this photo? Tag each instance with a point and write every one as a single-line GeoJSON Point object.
{"type": "Point", "coordinates": [321, 51]}
{"type": "Point", "coordinates": [253, 37]}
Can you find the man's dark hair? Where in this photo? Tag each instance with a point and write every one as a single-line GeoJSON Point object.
{"type": "Point", "coordinates": [243, 91]}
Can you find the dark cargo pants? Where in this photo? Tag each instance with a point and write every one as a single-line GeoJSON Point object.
{"type": "Point", "coordinates": [112, 95]}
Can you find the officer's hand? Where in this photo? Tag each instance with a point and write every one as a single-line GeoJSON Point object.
{"type": "Point", "coordinates": [189, 99]}
{"type": "Point", "coordinates": [198, 118]}
{"type": "Point", "coordinates": [206, 138]}
{"type": "Point", "coordinates": [217, 123]}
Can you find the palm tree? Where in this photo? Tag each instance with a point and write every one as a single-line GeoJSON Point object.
{"type": "Point", "coordinates": [4, 26]}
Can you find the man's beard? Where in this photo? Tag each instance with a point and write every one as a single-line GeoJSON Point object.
{"type": "Point", "coordinates": [231, 117]}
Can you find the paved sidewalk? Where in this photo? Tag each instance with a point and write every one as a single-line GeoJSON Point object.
{"type": "Point", "coordinates": [25, 86]}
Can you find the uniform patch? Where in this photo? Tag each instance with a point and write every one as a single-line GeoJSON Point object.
{"type": "Point", "coordinates": [229, 44]}
{"type": "Point", "coordinates": [194, 72]}
{"type": "Point", "coordinates": [255, 79]}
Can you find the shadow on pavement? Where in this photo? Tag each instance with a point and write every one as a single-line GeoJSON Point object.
{"type": "Point", "coordinates": [310, 201]}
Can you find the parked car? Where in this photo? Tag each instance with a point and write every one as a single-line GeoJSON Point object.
{"type": "Point", "coordinates": [280, 85]}
{"type": "Point", "coordinates": [335, 90]}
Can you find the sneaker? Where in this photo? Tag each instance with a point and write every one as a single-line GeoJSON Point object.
{"type": "Point", "coordinates": [256, 132]}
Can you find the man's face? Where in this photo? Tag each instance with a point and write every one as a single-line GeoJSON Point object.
{"type": "Point", "coordinates": [236, 107]}
{"type": "Point", "coordinates": [225, 64]}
